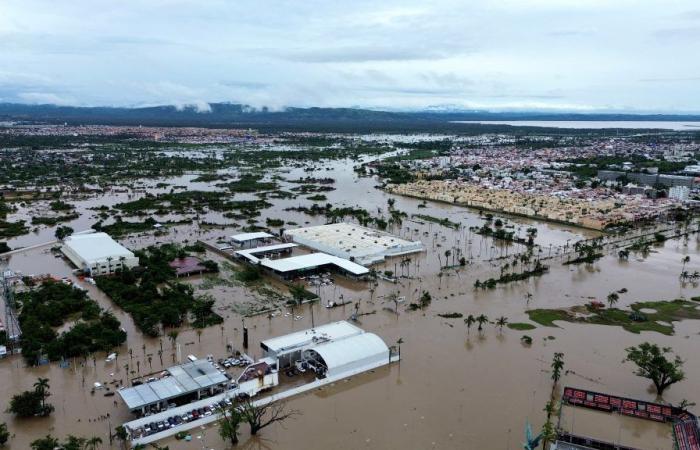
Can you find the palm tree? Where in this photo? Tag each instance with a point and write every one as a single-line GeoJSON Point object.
{"type": "Point", "coordinates": [199, 334]}
{"type": "Point", "coordinates": [685, 260]}
{"type": "Point", "coordinates": [93, 443]}
{"type": "Point", "coordinates": [41, 387]}
{"type": "Point", "coordinates": [501, 322]}
{"type": "Point", "coordinates": [482, 319]}
{"type": "Point", "coordinates": [469, 321]}
{"type": "Point", "coordinates": [613, 297]}
{"type": "Point", "coordinates": [173, 337]}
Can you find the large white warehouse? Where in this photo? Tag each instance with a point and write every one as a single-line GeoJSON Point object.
{"type": "Point", "coordinates": [354, 242]}
{"type": "Point", "coordinates": [97, 253]}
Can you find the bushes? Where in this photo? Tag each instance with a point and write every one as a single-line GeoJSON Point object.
{"type": "Point", "coordinates": [153, 297]}
{"type": "Point", "coordinates": [50, 306]}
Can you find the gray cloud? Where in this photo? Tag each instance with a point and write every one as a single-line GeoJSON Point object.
{"type": "Point", "coordinates": [546, 54]}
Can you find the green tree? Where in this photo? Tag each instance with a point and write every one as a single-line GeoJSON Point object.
{"type": "Point", "coordinates": [653, 364]}
{"type": "Point", "coordinates": [41, 387]}
{"type": "Point", "coordinates": [264, 415]}
{"type": "Point", "coordinates": [557, 367]}
{"type": "Point", "coordinates": [93, 443]}
{"type": "Point", "coordinates": [482, 319]}
{"type": "Point", "coordinates": [469, 321]}
{"type": "Point", "coordinates": [613, 298]}
{"type": "Point", "coordinates": [229, 422]}
{"type": "Point", "coordinates": [46, 443]}
{"type": "Point", "coordinates": [501, 322]}
{"type": "Point", "coordinates": [4, 434]}
{"type": "Point", "coordinates": [63, 232]}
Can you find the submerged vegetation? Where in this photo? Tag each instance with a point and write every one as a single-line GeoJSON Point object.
{"type": "Point", "coordinates": [53, 304]}
{"type": "Point", "coordinates": [153, 297]}
{"type": "Point", "coordinates": [638, 318]}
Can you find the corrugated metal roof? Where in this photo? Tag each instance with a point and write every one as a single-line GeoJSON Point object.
{"type": "Point", "coordinates": [335, 330]}
{"type": "Point", "coordinates": [183, 379]}
{"type": "Point", "coordinates": [251, 252]}
{"type": "Point", "coordinates": [311, 261]}
{"type": "Point", "coordinates": [243, 237]}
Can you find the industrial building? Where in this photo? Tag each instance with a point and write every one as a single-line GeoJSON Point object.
{"type": "Point", "coordinates": [97, 253]}
{"type": "Point", "coordinates": [300, 265]}
{"type": "Point", "coordinates": [185, 382]}
{"type": "Point", "coordinates": [333, 352]}
{"type": "Point", "coordinates": [250, 239]}
{"type": "Point", "coordinates": [353, 242]}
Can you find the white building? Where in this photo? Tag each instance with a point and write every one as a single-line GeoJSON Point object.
{"type": "Point", "coordinates": [97, 253]}
{"type": "Point", "coordinates": [679, 193]}
{"type": "Point", "coordinates": [354, 242]}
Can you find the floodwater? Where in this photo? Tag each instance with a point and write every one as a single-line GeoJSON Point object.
{"type": "Point", "coordinates": [593, 124]}
{"type": "Point", "coordinates": [452, 389]}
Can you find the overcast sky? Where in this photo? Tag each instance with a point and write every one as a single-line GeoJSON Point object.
{"type": "Point", "coordinates": [583, 55]}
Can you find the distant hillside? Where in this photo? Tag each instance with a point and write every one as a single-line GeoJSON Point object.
{"type": "Point", "coordinates": [324, 119]}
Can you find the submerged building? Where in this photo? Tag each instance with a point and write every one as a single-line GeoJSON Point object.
{"type": "Point", "coordinates": [331, 352]}
{"type": "Point", "coordinates": [97, 253]}
{"type": "Point", "coordinates": [353, 242]}
{"type": "Point", "coordinates": [270, 258]}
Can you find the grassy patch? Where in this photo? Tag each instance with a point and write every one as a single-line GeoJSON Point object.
{"type": "Point", "coordinates": [632, 320]}
{"type": "Point", "coordinates": [547, 317]}
{"type": "Point", "coordinates": [521, 326]}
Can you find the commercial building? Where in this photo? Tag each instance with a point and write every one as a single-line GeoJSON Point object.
{"type": "Point", "coordinates": [301, 265]}
{"type": "Point", "coordinates": [250, 239]}
{"type": "Point", "coordinates": [97, 253]}
{"type": "Point", "coordinates": [185, 382]}
{"type": "Point", "coordinates": [334, 351]}
{"type": "Point", "coordinates": [353, 242]}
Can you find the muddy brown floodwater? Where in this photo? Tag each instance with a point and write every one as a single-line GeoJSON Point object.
{"type": "Point", "coordinates": [452, 389]}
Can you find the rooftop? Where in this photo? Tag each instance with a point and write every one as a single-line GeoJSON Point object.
{"type": "Point", "coordinates": [250, 253]}
{"type": "Point", "coordinates": [183, 379]}
{"type": "Point", "coordinates": [331, 331]}
{"type": "Point", "coordinates": [96, 246]}
{"type": "Point", "coordinates": [245, 237]}
{"type": "Point", "coordinates": [351, 241]}
{"type": "Point", "coordinates": [312, 261]}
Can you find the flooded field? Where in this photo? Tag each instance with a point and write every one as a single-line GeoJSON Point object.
{"type": "Point", "coordinates": [452, 389]}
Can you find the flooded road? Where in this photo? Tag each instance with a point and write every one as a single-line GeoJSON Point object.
{"type": "Point", "coordinates": [453, 389]}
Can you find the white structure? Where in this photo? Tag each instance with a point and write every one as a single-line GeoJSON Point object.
{"type": "Point", "coordinates": [250, 238]}
{"type": "Point", "coordinates": [257, 254]}
{"type": "Point", "coordinates": [3, 351]}
{"type": "Point", "coordinates": [679, 193]}
{"type": "Point", "coordinates": [334, 351]}
{"type": "Point", "coordinates": [97, 253]}
{"type": "Point", "coordinates": [297, 265]}
{"type": "Point", "coordinates": [354, 242]}
{"type": "Point", "coordinates": [190, 379]}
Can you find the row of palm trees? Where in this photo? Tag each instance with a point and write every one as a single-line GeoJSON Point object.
{"type": "Point", "coordinates": [482, 319]}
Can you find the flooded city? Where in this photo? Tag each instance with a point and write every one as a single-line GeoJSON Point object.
{"type": "Point", "coordinates": [454, 386]}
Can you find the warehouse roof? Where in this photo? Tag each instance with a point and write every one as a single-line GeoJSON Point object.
{"type": "Point", "coordinates": [183, 379]}
{"type": "Point", "coordinates": [245, 237]}
{"type": "Point", "coordinates": [250, 253]}
{"type": "Point", "coordinates": [354, 348]}
{"type": "Point", "coordinates": [330, 331]}
{"type": "Point", "coordinates": [96, 247]}
{"type": "Point", "coordinates": [312, 261]}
